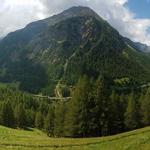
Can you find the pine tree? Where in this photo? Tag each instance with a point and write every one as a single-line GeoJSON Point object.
{"type": "Point", "coordinates": [77, 118]}
{"type": "Point", "coordinates": [102, 103]}
{"type": "Point", "coordinates": [131, 114]}
{"type": "Point", "coordinates": [60, 111]}
{"type": "Point", "coordinates": [7, 115]}
{"type": "Point", "coordinates": [117, 114]}
{"type": "Point", "coordinates": [145, 108]}
{"type": "Point", "coordinates": [20, 116]}
{"type": "Point", "coordinates": [1, 104]}
{"type": "Point", "coordinates": [49, 121]}
{"type": "Point", "coordinates": [39, 120]}
{"type": "Point", "coordinates": [30, 117]}
{"type": "Point", "coordinates": [43, 108]}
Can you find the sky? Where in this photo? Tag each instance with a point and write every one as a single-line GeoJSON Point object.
{"type": "Point", "coordinates": [140, 8]}
{"type": "Point", "coordinates": [130, 17]}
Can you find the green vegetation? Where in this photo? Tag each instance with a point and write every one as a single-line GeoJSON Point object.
{"type": "Point", "coordinates": [12, 139]}
{"type": "Point", "coordinates": [93, 111]}
{"type": "Point", "coordinates": [75, 54]}
{"type": "Point", "coordinates": [65, 47]}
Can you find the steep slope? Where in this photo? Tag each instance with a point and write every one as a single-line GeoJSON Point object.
{"type": "Point", "coordinates": [66, 46]}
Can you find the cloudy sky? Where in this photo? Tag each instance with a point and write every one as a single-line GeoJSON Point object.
{"type": "Point", "coordinates": [130, 17]}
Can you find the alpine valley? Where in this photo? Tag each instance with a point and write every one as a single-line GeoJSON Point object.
{"type": "Point", "coordinates": [68, 80]}
{"type": "Point", "coordinates": [66, 46]}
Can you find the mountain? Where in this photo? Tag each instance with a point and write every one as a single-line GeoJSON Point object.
{"type": "Point", "coordinates": [138, 46]}
{"type": "Point", "coordinates": [65, 47]}
{"type": "Point", "coordinates": [1, 38]}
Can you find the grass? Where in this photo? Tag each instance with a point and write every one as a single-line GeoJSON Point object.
{"type": "Point", "coordinates": [12, 139]}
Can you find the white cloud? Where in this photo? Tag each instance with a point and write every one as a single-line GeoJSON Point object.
{"type": "Point", "coordinates": [16, 14]}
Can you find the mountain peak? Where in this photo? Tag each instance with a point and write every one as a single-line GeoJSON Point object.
{"type": "Point", "coordinates": [65, 47]}
{"type": "Point", "coordinates": [80, 11]}
{"type": "Point", "coordinates": [75, 11]}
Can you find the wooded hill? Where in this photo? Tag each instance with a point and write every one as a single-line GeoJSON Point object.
{"type": "Point", "coordinates": [94, 110]}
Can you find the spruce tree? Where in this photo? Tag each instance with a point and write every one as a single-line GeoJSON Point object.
{"type": "Point", "coordinates": [77, 118]}
{"type": "Point", "coordinates": [39, 120]}
{"type": "Point", "coordinates": [30, 117]}
{"type": "Point", "coordinates": [7, 115]}
{"type": "Point", "coordinates": [102, 103]}
{"type": "Point", "coordinates": [145, 108]}
{"type": "Point", "coordinates": [1, 104]}
{"type": "Point", "coordinates": [20, 116]}
{"type": "Point", "coordinates": [49, 121]}
{"type": "Point", "coordinates": [116, 114]}
{"type": "Point", "coordinates": [131, 114]}
{"type": "Point", "coordinates": [60, 111]}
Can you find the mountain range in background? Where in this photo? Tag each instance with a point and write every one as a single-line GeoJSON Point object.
{"type": "Point", "coordinates": [66, 46]}
{"type": "Point", "coordinates": [1, 38]}
{"type": "Point", "coordinates": [138, 46]}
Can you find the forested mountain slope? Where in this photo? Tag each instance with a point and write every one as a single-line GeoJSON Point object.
{"type": "Point", "coordinates": [66, 46]}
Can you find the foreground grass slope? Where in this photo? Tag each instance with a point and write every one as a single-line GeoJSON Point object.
{"type": "Point", "coordinates": [36, 140]}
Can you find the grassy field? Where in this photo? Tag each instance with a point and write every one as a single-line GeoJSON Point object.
{"type": "Point", "coordinates": [11, 139]}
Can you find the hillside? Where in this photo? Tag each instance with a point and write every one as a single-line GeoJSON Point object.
{"type": "Point", "coordinates": [138, 46]}
{"type": "Point", "coordinates": [35, 139]}
{"type": "Point", "coordinates": [65, 47]}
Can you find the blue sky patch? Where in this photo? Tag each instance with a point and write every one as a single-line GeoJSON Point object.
{"type": "Point", "coordinates": [141, 8]}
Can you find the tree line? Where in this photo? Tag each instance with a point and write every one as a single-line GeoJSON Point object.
{"type": "Point", "coordinates": [94, 110]}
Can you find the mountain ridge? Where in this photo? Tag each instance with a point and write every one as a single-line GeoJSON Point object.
{"type": "Point", "coordinates": [137, 45]}
{"type": "Point", "coordinates": [65, 47]}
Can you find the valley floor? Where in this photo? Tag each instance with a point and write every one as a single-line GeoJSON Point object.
{"type": "Point", "coordinates": [12, 139]}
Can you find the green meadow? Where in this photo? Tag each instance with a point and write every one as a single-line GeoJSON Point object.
{"type": "Point", "coordinates": [33, 139]}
